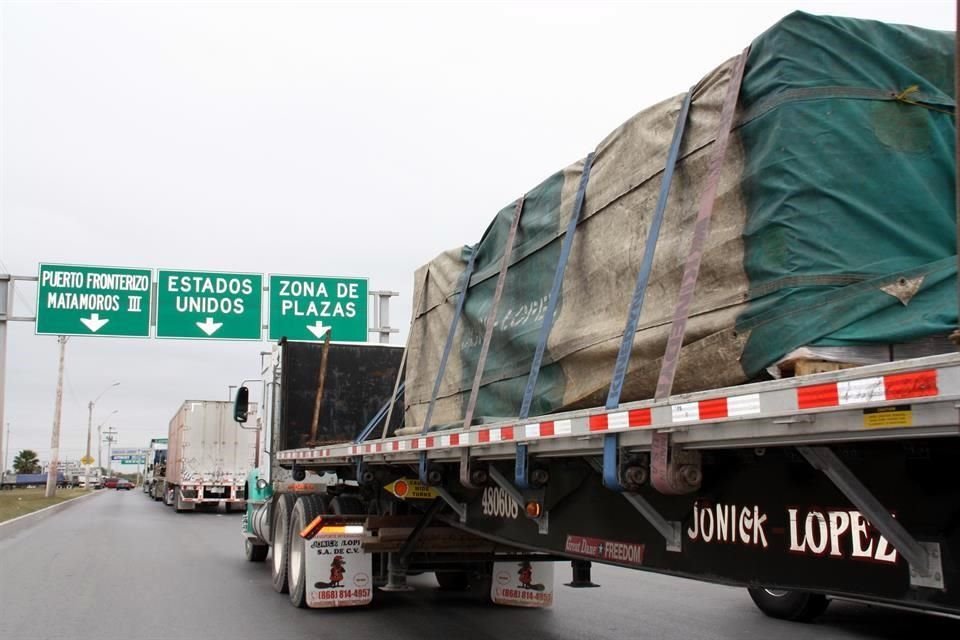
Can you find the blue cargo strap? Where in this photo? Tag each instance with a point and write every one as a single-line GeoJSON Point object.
{"type": "Point", "coordinates": [464, 286]}
{"type": "Point", "coordinates": [555, 289]}
{"type": "Point", "coordinates": [367, 430]}
{"type": "Point", "coordinates": [492, 314]}
{"type": "Point", "coordinates": [417, 308]}
{"type": "Point", "coordinates": [611, 441]}
{"type": "Point", "coordinates": [646, 266]}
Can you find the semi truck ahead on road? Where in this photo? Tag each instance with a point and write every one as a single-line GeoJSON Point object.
{"type": "Point", "coordinates": [763, 397]}
{"type": "Point", "coordinates": [208, 457]}
{"type": "Point", "coordinates": [154, 473]}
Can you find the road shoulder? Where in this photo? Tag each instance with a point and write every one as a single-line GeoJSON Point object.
{"type": "Point", "coordinates": [10, 528]}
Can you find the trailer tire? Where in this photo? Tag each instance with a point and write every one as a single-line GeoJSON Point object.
{"type": "Point", "coordinates": [280, 529]}
{"type": "Point", "coordinates": [797, 606]}
{"type": "Point", "coordinates": [304, 511]}
{"type": "Point", "coordinates": [453, 580]}
{"type": "Point", "coordinates": [168, 493]}
{"type": "Point", "coordinates": [255, 552]}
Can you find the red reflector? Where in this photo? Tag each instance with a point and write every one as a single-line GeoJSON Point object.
{"type": "Point", "coordinates": [716, 408]}
{"type": "Point", "coordinates": [818, 395]}
{"type": "Point", "coordinates": [546, 429]}
{"type": "Point", "coordinates": [483, 436]}
{"type": "Point", "coordinates": [911, 385]}
{"type": "Point", "coordinates": [598, 422]}
{"type": "Point", "coordinates": [640, 418]}
{"type": "Point", "coordinates": [454, 439]}
{"type": "Point", "coordinates": [506, 433]}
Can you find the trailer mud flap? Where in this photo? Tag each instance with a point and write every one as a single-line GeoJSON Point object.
{"type": "Point", "coordinates": [522, 584]}
{"type": "Point", "coordinates": [338, 572]}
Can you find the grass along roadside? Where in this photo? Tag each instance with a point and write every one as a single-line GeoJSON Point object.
{"type": "Point", "coordinates": [18, 502]}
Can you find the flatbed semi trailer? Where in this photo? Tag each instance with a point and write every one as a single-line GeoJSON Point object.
{"type": "Point", "coordinates": [698, 465]}
{"type": "Point", "coordinates": [833, 484]}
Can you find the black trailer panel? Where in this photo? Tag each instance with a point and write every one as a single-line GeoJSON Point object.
{"type": "Point", "coordinates": [761, 518]}
{"type": "Point", "coordinates": [359, 381]}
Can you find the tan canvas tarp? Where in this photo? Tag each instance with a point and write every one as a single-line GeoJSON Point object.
{"type": "Point", "coordinates": [620, 200]}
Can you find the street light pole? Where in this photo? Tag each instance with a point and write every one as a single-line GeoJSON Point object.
{"type": "Point", "coordinates": [90, 428]}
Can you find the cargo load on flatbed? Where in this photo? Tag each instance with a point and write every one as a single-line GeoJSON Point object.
{"type": "Point", "coordinates": [833, 226]}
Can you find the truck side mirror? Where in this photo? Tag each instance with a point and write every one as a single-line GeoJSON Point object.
{"type": "Point", "coordinates": [241, 405]}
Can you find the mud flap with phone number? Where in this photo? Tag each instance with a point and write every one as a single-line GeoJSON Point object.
{"type": "Point", "coordinates": [522, 584]}
{"type": "Point", "coordinates": [338, 572]}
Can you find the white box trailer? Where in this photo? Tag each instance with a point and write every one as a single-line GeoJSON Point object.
{"type": "Point", "coordinates": [208, 456]}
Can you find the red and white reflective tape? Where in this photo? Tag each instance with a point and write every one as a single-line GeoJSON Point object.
{"type": "Point", "coordinates": [617, 420]}
{"type": "Point", "coordinates": [900, 386]}
{"type": "Point", "coordinates": [716, 408]}
{"type": "Point", "coordinates": [862, 391]}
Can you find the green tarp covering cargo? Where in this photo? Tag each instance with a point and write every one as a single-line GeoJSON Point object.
{"type": "Point", "coordinates": [833, 227]}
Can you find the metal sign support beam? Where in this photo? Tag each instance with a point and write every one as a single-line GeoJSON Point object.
{"type": "Point", "coordinates": [7, 283]}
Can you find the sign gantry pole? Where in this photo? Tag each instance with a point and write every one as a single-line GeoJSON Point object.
{"type": "Point", "coordinates": [5, 308]}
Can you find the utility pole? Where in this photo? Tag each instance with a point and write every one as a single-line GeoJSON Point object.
{"type": "Point", "coordinates": [55, 436]}
{"type": "Point", "coordinates": [110, 440]}
{"type": "Point", "coordinates": [86, 459]}
{"type": "Point", "coordinates": [6, 451]}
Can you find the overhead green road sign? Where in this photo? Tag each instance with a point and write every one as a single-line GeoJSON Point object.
{"type": "Point", "coordinates": [205, 304]}
{"type": "Point", "coordinates": [76, 300]}
{"type": "Point", "coordinates": [306, 307]}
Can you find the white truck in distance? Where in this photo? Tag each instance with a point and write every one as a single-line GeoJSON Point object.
{"type": "Point", "coordinates": [208, 457]}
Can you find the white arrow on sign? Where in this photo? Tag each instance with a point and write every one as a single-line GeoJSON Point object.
{"type": "Point", "coordinates": [209, 327]}
{"type": "Point", "coordinates": [94, 322]}
{"type": "Point", "coordinates": [318, 329]}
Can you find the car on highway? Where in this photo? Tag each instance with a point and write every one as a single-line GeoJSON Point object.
{"type": "Point", "coordinates": [110, 483]}
{"type": "Point", "coordinates": [124, 485]}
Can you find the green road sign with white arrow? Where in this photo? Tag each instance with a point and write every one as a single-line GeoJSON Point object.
{"type": "Point", "coordinates": [79, 300]}
{"type": "Point", "coordinates": [209, 305]}
{"type": "Point", "coordinates": [306, 307]}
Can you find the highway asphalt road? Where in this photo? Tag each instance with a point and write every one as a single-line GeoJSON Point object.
{"type": "Point", "coordinates": [119, 566]}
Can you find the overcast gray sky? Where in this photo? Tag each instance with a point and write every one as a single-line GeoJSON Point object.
{"type": "Point", "coordinates": [314, 138]}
